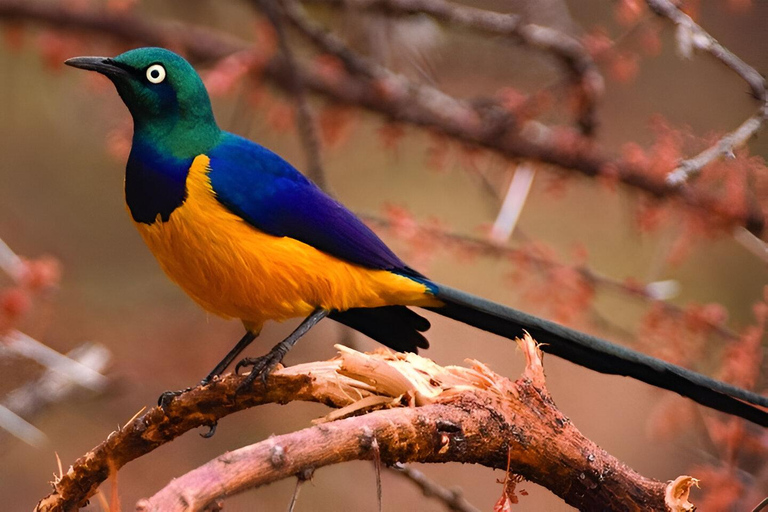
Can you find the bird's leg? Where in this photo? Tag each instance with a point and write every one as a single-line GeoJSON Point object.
{"type": "Point", "coordinates": [246, 340]}
{"type": "Point", "coordinates": [262, 366]}
{"type": "Point", "coordinates": [231, 355]}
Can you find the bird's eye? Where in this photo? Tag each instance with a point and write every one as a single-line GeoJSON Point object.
{"type": "Point", "coordinates": [155, 73]}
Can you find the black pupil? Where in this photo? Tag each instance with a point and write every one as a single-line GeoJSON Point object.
{"type": "Point", "coordinates": [155, 74]}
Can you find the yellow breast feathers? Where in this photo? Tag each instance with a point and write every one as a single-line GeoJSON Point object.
{"type": "Point", "coordinates": [236, 271]}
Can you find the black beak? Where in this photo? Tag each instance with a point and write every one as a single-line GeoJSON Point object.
{"type": "Point", "coordinates": [103, 65]}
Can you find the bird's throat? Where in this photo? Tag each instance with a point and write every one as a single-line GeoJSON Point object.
{"type": "Point", "coordinates": [155, 183]}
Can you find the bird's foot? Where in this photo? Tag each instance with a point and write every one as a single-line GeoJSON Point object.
{"type": "Point", "coordinates": [167, 397]}
{"type": "Point", "coordinates": [261, 367]}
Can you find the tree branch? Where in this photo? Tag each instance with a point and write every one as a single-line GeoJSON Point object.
{"type": "Point", "coordinates": [399, 99]}
{"type": "Point", "coordinates": [691, 36]}
{"type": "Point", "coordinates": [583, 72]}
{"type": "Point", "coordinates": [421, 412]}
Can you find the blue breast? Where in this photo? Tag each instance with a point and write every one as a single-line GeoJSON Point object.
{"type": "Point", "coordinates": [155, 184]}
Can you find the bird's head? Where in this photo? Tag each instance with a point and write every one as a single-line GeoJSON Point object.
{"type": "Point", "coordinates": [163, 92]}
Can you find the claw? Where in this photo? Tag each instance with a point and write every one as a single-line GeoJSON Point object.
{"type": "Point", "coordinates": [261, 367]}
{"type": "Point", "coordinates": [167, 397]}
{"type": "Point", "coordinates": [211, 430]}
{"type": "Point", "coordinates": [246, 361]}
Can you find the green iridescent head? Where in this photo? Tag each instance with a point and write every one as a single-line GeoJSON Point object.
{"type": "Point", "coordinates": [165, 95]}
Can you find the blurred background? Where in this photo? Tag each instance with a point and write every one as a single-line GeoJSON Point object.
{"type": "Point", "coordinates": [64, 137]}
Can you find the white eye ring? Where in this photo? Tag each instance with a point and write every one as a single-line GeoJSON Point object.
{"type": "Point", "coordinates": [156, 73]}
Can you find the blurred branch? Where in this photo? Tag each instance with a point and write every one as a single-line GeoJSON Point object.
{"type": "Point", "coordinates": [21, 428]}
{"type": "Point", "coordinates": [63, 373]}
{"type": "Point", "coordinates": [752, 243]}
{"type": "Point", "coordinates": [451, 498]}
{"type": "Point", "coordinates": [10, 262]}
{"type": "Point", "coordinates": [723, 148]}
{"type": "Point", "coordinates": [698, 38]}
{"type": "Point", "coordinates": [652, 292]}
{"type": "Point", "coordinates": [583, 72]}
{"type": "Point", "coordinates": [513, 204]}
{"type": "Point", "coordinates": [54, 386]}
{"type": "Point", "coordinates": [19, 343]}
{"type": "Point", "coordinates": [690, 36]}
{"type": "Point", "coordinates": [275, 12]}
{"type": "Point", "coordinates": [398, 99]}
{"type": "Point", "coordinates": [431, 414]}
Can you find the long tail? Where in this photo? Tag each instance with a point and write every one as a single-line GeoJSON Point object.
{"type": "Point", "coordinates": [600, 355]}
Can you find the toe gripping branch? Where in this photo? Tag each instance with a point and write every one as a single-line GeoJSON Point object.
{"type": "Point", "coordinates": [262, 366]}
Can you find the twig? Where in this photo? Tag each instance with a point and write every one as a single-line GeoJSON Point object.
{"type": "Point", "coordinates": [701, 40]}
{"type": "Point", "coordinates": [305, 119]}
{"type": "Point", "coordinates": [398, 99]}
{"type": "Point", "coordinates": [451, 498]}
{"type": "Point", "coordinates": [691, 36]}
{"type": "Point", "coordinates": [723, 148]}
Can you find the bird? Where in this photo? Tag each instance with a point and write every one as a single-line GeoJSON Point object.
{"type": "Point", "coordinates": [247, 236]}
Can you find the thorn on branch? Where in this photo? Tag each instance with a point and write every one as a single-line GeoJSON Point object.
{"type": "Point", "coordinates": [301, 477]}
{"type": "Point", "coordinates": [377, 470]}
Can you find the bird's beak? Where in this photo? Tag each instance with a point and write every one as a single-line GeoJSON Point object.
{"type": "Point", "coordinates": [103, 65]}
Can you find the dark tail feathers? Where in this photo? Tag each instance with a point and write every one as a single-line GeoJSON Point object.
{"type": "Point", "coordinates": [599, 355]}
{"type": "Point", "coordinates": [397, 327]}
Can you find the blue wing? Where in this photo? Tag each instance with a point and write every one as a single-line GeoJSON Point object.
{"type": "Point", "coordinates": [271, 195]}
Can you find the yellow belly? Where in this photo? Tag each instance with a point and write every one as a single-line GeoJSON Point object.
{"type": "Point", "coordinates": [233, 270]}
